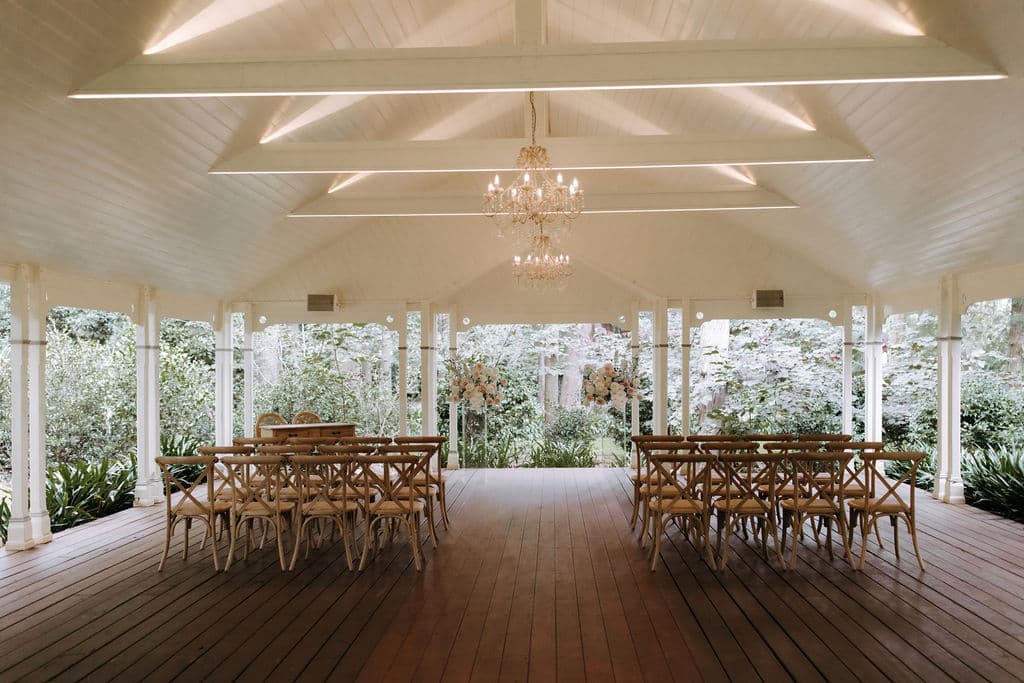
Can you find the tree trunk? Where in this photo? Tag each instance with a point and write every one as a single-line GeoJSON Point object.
{"type": "Point", "coordinates": [714, 336]}
{"type": "Point", "coordinates": [550, 390]}
{"type": "Point", "coordinates": [1015, 338]}
{"type": "Point", "coordinates": [572, 376]}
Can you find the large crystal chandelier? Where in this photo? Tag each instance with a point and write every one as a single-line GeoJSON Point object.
{"type": "Point", "coordinates": [534, 198]}
{"type": "Point", "coordinates": [543, 265]}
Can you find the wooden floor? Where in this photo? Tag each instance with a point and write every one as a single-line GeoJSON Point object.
{"type": "Point", "coordinates": [538, 579]}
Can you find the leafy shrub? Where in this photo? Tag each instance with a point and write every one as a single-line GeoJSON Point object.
{"type": "Point", "coordinates": [994, 480]}
{"type": "Point", "coordinates": [5, 513]}
{"type": "Point", "coordinates": [561, 454]}
{"type": "Point", "coordinates": [493, 453]}
{"type": "Point", "coordinates": [182, 445]}
{"type": "Point", "coordinates": [575, 425]}
{"type": "Point", "coordinates": [83, 491]}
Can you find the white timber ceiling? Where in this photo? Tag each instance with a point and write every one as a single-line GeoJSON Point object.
{"type": "Point", "coordinates": [929, 179]}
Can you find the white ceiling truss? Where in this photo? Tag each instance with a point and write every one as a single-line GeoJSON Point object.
{"type": "Point", "coordinates": [895, 155]}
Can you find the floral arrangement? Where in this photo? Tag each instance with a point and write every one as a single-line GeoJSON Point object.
{"type": "Point", "coordinates": [477, 383]}
{"type": "Point", "coordinates": [609, 384]}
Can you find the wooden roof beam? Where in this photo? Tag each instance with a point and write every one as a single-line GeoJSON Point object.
{"type": "Point", "coordinates": [605, 66]}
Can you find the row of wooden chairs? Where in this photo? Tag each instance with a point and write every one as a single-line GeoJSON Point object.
{"type": "Point", "coordinates": [304, 417]}
{"type": "Point", "coordinates": [771, 484]}
{"type": "Point", "coordinates": [308, 488]}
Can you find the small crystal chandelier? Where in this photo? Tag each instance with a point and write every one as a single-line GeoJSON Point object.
{"type": "Point", "coordinates": [542, 266]}
{"type": "Point", "coordinates": [534, 197]}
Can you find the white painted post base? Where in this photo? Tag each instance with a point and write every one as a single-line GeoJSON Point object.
{"type": "Point", "coordinates": [40, 527]}
{"type": "Point", "coordinates": [19, 534]}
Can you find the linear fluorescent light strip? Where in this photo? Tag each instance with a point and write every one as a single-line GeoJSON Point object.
{"type": "Point", "coordinates": [480, 213]}
{"type": "Point", "coordinates": [598, 167]}
{"type": "Point", "coordinates": [568, 88]}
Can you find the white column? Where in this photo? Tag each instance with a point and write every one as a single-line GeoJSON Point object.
{"type": "Point", "coordinates": [874, 320]}
{"type": "Point", "coordinates": [949, 486]}
{"type": "Point", "coordinates": [428, 371]}
{"type": "Point", "coordinates": [847, 374]}
{"type": "Point", "coordinates": [223, 362]}
{"type": "Point", "coordinates": [19, 529]}
{"type": "Point", "coordinates": [248, 370]}
{"type": "Point", "coordinates": [685, 371]}
{"type": "Point", "coordinates": [634, 353]}
{"type": "Point", "coordinates": [152, 323]}
{"type": "Point", "coordinates": [660, 380]}
{"type": "Point", "coordinates": [403, 376]}
{"type": "Point", "coordinates": [37, 310]}
{"type": "Point", "coordinates": [453, 407]}
{"type": "Point", "coordinates": [148, 484]}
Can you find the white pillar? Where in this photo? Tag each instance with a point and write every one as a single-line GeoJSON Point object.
{"type": "Point", "coordinates": [634, 353]}
{"type": "Point", "coordinates": [685, 371]}
{"type": "Point", "coordinates": [19, 529]}
{"type": "Point", "coordinates": [453, 407]}
{"type": "Point", "coordinates": [660, 380]}
{"type": "Point", "coordinates": [847, 399]}
{"type": "Point", "coordinates": [874, 320]}
{"type": "Point", "coordinates": [428, 371]}
{"type": "Point", "coordinates": [37, 310]}
{"type": "Point", "coordinates": [403, 376]}
{"type": "Point", "coordinates": [949, 485]}
{"type": "Point", "coordinates": [223, 362]}
{"type": "Point", "coordinates": [148, 487]}
{"type": "Point", "coordinates": [248, 370]}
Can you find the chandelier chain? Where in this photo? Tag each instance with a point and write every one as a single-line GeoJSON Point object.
{"type": "Point", "coordinates": [533, 121]}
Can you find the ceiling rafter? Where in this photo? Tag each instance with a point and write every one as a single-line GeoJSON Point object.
{"type": "Point", "coordinates": [607, 66]}
{"type": "Point", "coordinates": [351, 205]}
{"type": "Point", "coordinates": [571, 153]}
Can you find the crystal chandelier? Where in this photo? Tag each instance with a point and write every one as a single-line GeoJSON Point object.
{"type": "Point", "coordinates": [534, 197]}
{"type": "Point", "coordinates": [543, 265]}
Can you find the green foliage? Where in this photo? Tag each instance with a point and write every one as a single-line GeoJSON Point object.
{"type": "Point", "coordinates": [560, 454]}
{"type": "Point", "coordinates": [925, 471]}
{"type": "Point", "coordinates": [994, 480]}
{"type": "Point", "coordinates": [5, 513]}
{"type": "Point", "coordinates": [83, 491]}
{"type": "Point", "coordinates": [575, 425]}
{"type": "Point", "coordinates": [493, 453]}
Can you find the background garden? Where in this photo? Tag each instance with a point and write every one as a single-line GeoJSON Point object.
{"type": "Point", "coordinates": [746, 376]}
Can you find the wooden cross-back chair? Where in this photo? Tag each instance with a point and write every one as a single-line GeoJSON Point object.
{"type": "Point", "coordinates": [824, 438]}
{"type": "Point", "coordinates": [702, 438]}
{"type": "Point", "coordinates": [306, 418]}
{"type": "Point", "coordinates": [747, 493]}
{"type": "Point", "coordinates": [389, 474]}
{"type": "Point", "coordinates": [639, 475]}
{"type": "Point", "coordinates": [255, 482]}
{"type": "Point", "coordinates": [257, 441]}
{"type": "Point", "coordinates": [373, 441]}
{"type": "Point", "coordinates": [268, 419]}
{"type": "Point", "coordinates": [197, 501]}
{"type": "Point", "coordinates": [765, 438]}
{"type": "Point", "coordinates": [434, 474]}
{"type": "Point", "coordinates": [884, 498]}
{"type": "Point", "coordinates": [221, 489]}
{"type": "Point", "coordinates": [817, 481]}
{"type": "Point", "coordinates": [855, 478]}
{"type": "Point", "coordinates": [314, 441]}
{"type": "Point", "coordinates": [680, 481]}
{"type": "Point", "coordinates": [326, 494]}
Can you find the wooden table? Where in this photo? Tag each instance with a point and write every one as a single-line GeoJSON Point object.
{"type": "Point", "coordinates": [313, 429]}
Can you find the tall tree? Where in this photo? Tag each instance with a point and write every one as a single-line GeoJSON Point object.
{"type": "Point", "coordinates": [1015, 337]}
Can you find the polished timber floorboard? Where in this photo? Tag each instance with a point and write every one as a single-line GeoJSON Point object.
{"type": "Point", "coordinates": [538, 579]}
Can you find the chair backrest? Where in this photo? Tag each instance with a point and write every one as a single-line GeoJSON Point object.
{"type": "Point", "coordinates": [433, 468]}
{"type": "Point", "coordinates": [314, 441]}
{"type": "Point", "coordinates": [818, 477]}
{"type": "Point", "coordinates": [324, 479]}
{"type": "Point", "coordinates": [268, 419]}
{"type": "Point", "coordinates": [255, 482]}
{"type": "Point", "coordinates": [287, 449]}
{"type": "Point", "coordinates": [257, 441]}
{"type": "Point", "coordinates": [790, 446]}
{"type": "Point", "coordinates": [719, 447]}
{"type": "Point", "coordinates": [824, 438]}
{"type": "Point", "coordinates": [225, 450]}
{"type": "Point", "coordinates": [640, 439]}
{"type": "Point", "coordinates": [306, 418]}
{"type": "Point", "coordinates": [701, 438]}
{"type": "Point", "coordinates": [765, 438]}
{"type": "Point", "coordinates": [688, 473]}
{"type": "Point", "coordinates": [373, 441]}
{"type": "Point", "coordinates": [190, 490]}
{"type": "Point", "coordinates": [747, 476]}
{"type": "Point", "coordinates": [419, 439]}
{"type": "Point", "coordinates": [856, 446]}
{"type": "Point", "coordinates": [884, 491]}
{"type": "Point", "coordinates": [387, 474]}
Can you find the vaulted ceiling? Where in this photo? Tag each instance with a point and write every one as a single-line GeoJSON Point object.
{"type": "Point", "coordinates": [928, 179]}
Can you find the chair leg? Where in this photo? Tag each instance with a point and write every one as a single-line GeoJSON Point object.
{"type": "Point", "coordinates": [798, 525]}
{"type": "Point", "coordinates": [167, 542]}
{"type": "Point", "coordinates": [280, 542]}
{"type": "Point", "coordinates": [864, 529]}
{"type": "Point", "coordinates": [893, 520]}
{"type": "Point", "coordinates": [846, 541]}
{"type": "Point", "coordinates": [636, 507]}
{"type": "Point", "coordinates": [346, 537]}
{"type": "Point", "coordinates": [188, 525]}
{"type": "Point", "coordinates": [785, 530]}
{"type": "Point", "coordinates": [706, 540]}
{"type": "Point", "coordinates": [656, 544]}
{"type": "Point", "coordinates": [211, 531]}
{"type": "Point", "coordinates": [366, 542]}
{"type": "Point", "coordinates": [298, 544]}
{"type": "Point", "coordinates": [429, 501]}
{"type": "Point", "coordinates": [232, 536]}
{"type": "Point", "coordinates": [912, 528]}
{"type": "Point", "coordinates": [414, 538]}
{"type": "Point", "coordinates": [827, 521]}
{"type": "Point", "coordinates": [442, 500]}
